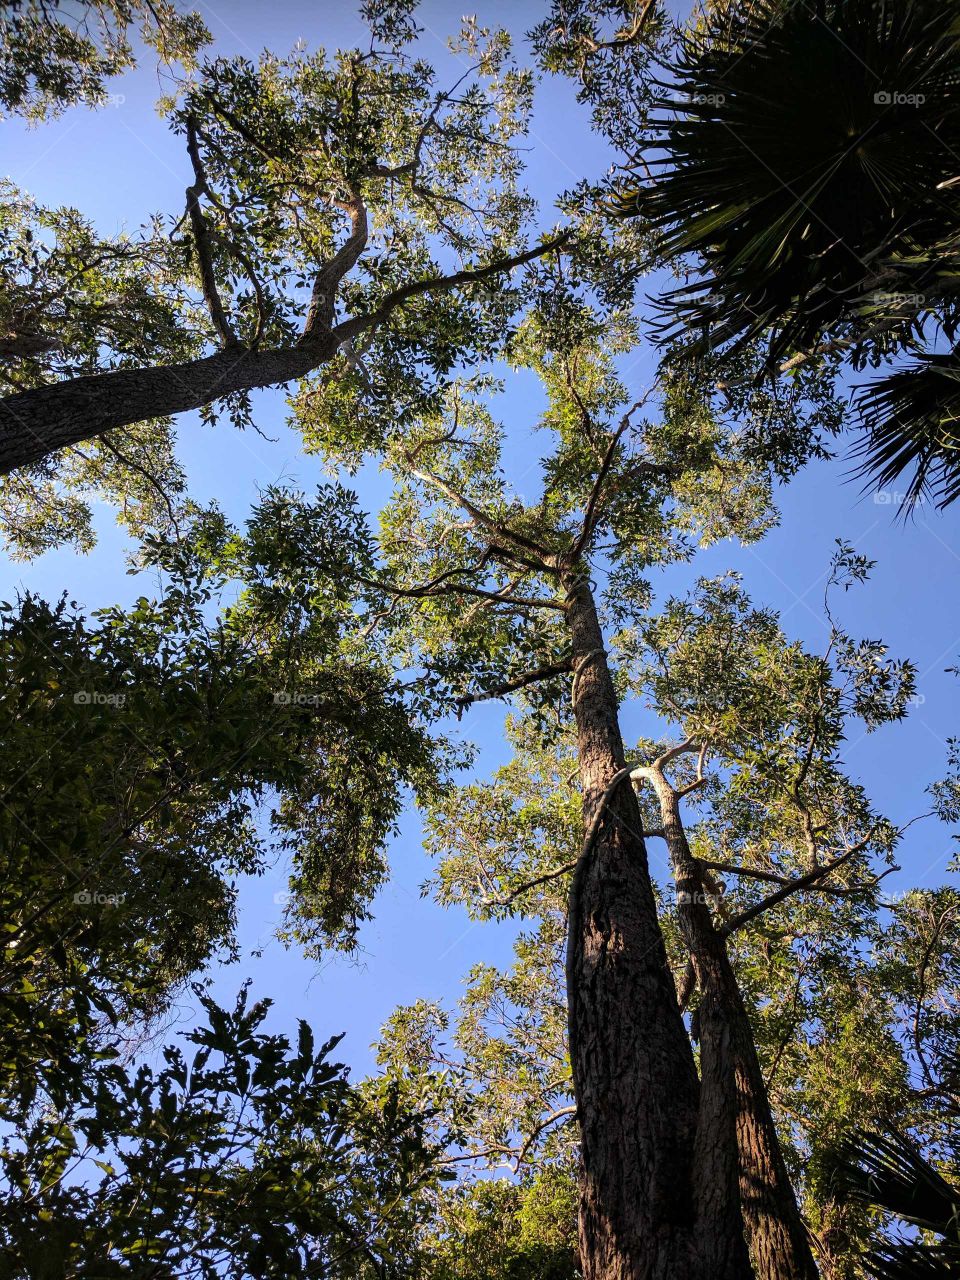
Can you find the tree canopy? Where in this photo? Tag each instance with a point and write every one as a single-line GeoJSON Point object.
{"type": "Point", "coordinates": [714, 989]}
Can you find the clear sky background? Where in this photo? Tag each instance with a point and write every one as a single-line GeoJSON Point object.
{"type": "Point", "coordinates": [118, 165]}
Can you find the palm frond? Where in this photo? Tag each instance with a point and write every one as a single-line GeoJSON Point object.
{"type": "Point", "coordinates": [914, 1262]}
{"type": "Point", "coordinates": [886, 1170]}
{"type": "Point", "coordinates": [913, 423]}
{"type": "Point", "coordinates": [804, 149]}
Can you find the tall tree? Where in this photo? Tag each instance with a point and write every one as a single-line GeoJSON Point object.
{"type": "Point", "coordinates": [660, 1191]}
{"type": "Point", "coordinates": [843, 999]}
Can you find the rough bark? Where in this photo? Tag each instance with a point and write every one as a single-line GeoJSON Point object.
{"type": "Point", "coordinates": [779, 1242]}
{"type": "Point", "coordinates": [36, 423]}
{"type": "Point", "coordinates": [735, 1115]}
{"type": "Point", "coordinates": [634, 1076]}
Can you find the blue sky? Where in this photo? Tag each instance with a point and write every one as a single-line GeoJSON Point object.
{"type": "Point", "coordinates": [120, 164]}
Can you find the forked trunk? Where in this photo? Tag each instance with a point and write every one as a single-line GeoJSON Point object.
{"type": "Point", "coordinates": [644, 1215]}
{"type": "Point", "coordinates": [735, 1110]}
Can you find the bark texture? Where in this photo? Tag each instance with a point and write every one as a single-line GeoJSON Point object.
{"type": "Point", "coordinates": [39, 422]}
{"type": "Point", "coordinates": [641, 1216]}
{"type": "Point", "coordinates": [735, 1117]}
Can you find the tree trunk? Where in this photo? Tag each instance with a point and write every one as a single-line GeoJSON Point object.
{"type": "Point", "coordinates": [735, 1111]}
{"type": "Point", "coordinates": [634, 1076]}
{"type": "Point", "coordinates": [36, 423]}
{"type": "Point", "coordinates": [779, 1242]}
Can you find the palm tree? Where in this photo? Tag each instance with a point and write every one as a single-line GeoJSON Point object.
{"type": "Point", "coordinates": [886, 1171]}
{"type": "Point", "coordinates": [808, 154]}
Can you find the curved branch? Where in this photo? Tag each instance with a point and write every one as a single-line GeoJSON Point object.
{"type": "Point", "coordinates": [202, 240]}
{"type": "Point", "coordinates": [42, 420]}
{"type": "Point", "coordinates": [561, 1113]}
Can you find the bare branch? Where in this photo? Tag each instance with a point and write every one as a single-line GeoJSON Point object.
{"type": "Point", "coordinates": [754, 873]}
{"type": "Point", "coordinates": [518, 682]}
{"type": "Point", "coordinates": [412, 165]}
{"type": "Point", "coordinates": [591, 509]}
{"type": "Point", "coordinates": [700, 779]}
{"type": "Point", "coordinates": [430, 589]}
{"type": "Point", "coordinates": [561, 1113]}
{"type": "Point", "coordinates": [150, 478]}
{"type": "Point", "coordinates": [202, 240]}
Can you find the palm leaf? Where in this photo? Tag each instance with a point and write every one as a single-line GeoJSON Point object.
{"type": "Point", "coordinates": [913, 422]}
{"type": "Point", "coordinates": [887, 1170]}
{"type": "Point", "coordinates": [783, 167]}
{"type": "Point", "coordinates": [914, 1262]}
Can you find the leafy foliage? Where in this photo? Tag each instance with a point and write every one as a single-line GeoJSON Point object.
{"type": "Point", "coordinates": [349, 228]}
{"type": "Point", "coordinates": [53, 58]}
{"type": "Point", "coordinates": [155, 754]}
{"type": "Point", "coordinates": [250, 1159]}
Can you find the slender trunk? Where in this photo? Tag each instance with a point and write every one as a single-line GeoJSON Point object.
{"type": "Point", "coordinates": [634, 1076]}
{"type": "Point", "coordinates": [36, 423]}
{"type": "Point", "coordinates": [779, 1242]}
{"type": "Point", "coordinates": [735, 1115]}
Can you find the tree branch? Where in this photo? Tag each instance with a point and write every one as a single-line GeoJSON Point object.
{"type": "Point", "coordinates": [545, 560]}
{"type": "Point", "coordinates": [416, 288]}
{"type": "Point", "coordinates": [323, 297]}
{"type": "Point", "coordinates": [202, 240]}
{"type": "Point", "coordinates": [432, 589]}
{"type": "Point", "coordinates": [590, 511]}
{"type": "Point", "coordinates": [518, 682]}
{"type": "Point", "coordinates": [42, 420]}
{"type": "Point", "coordinates": [561, 1113]}
{"type": "Point", "coordinates": [793, 886]}
{"type": "Point", "coordinates": [546, 878]}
